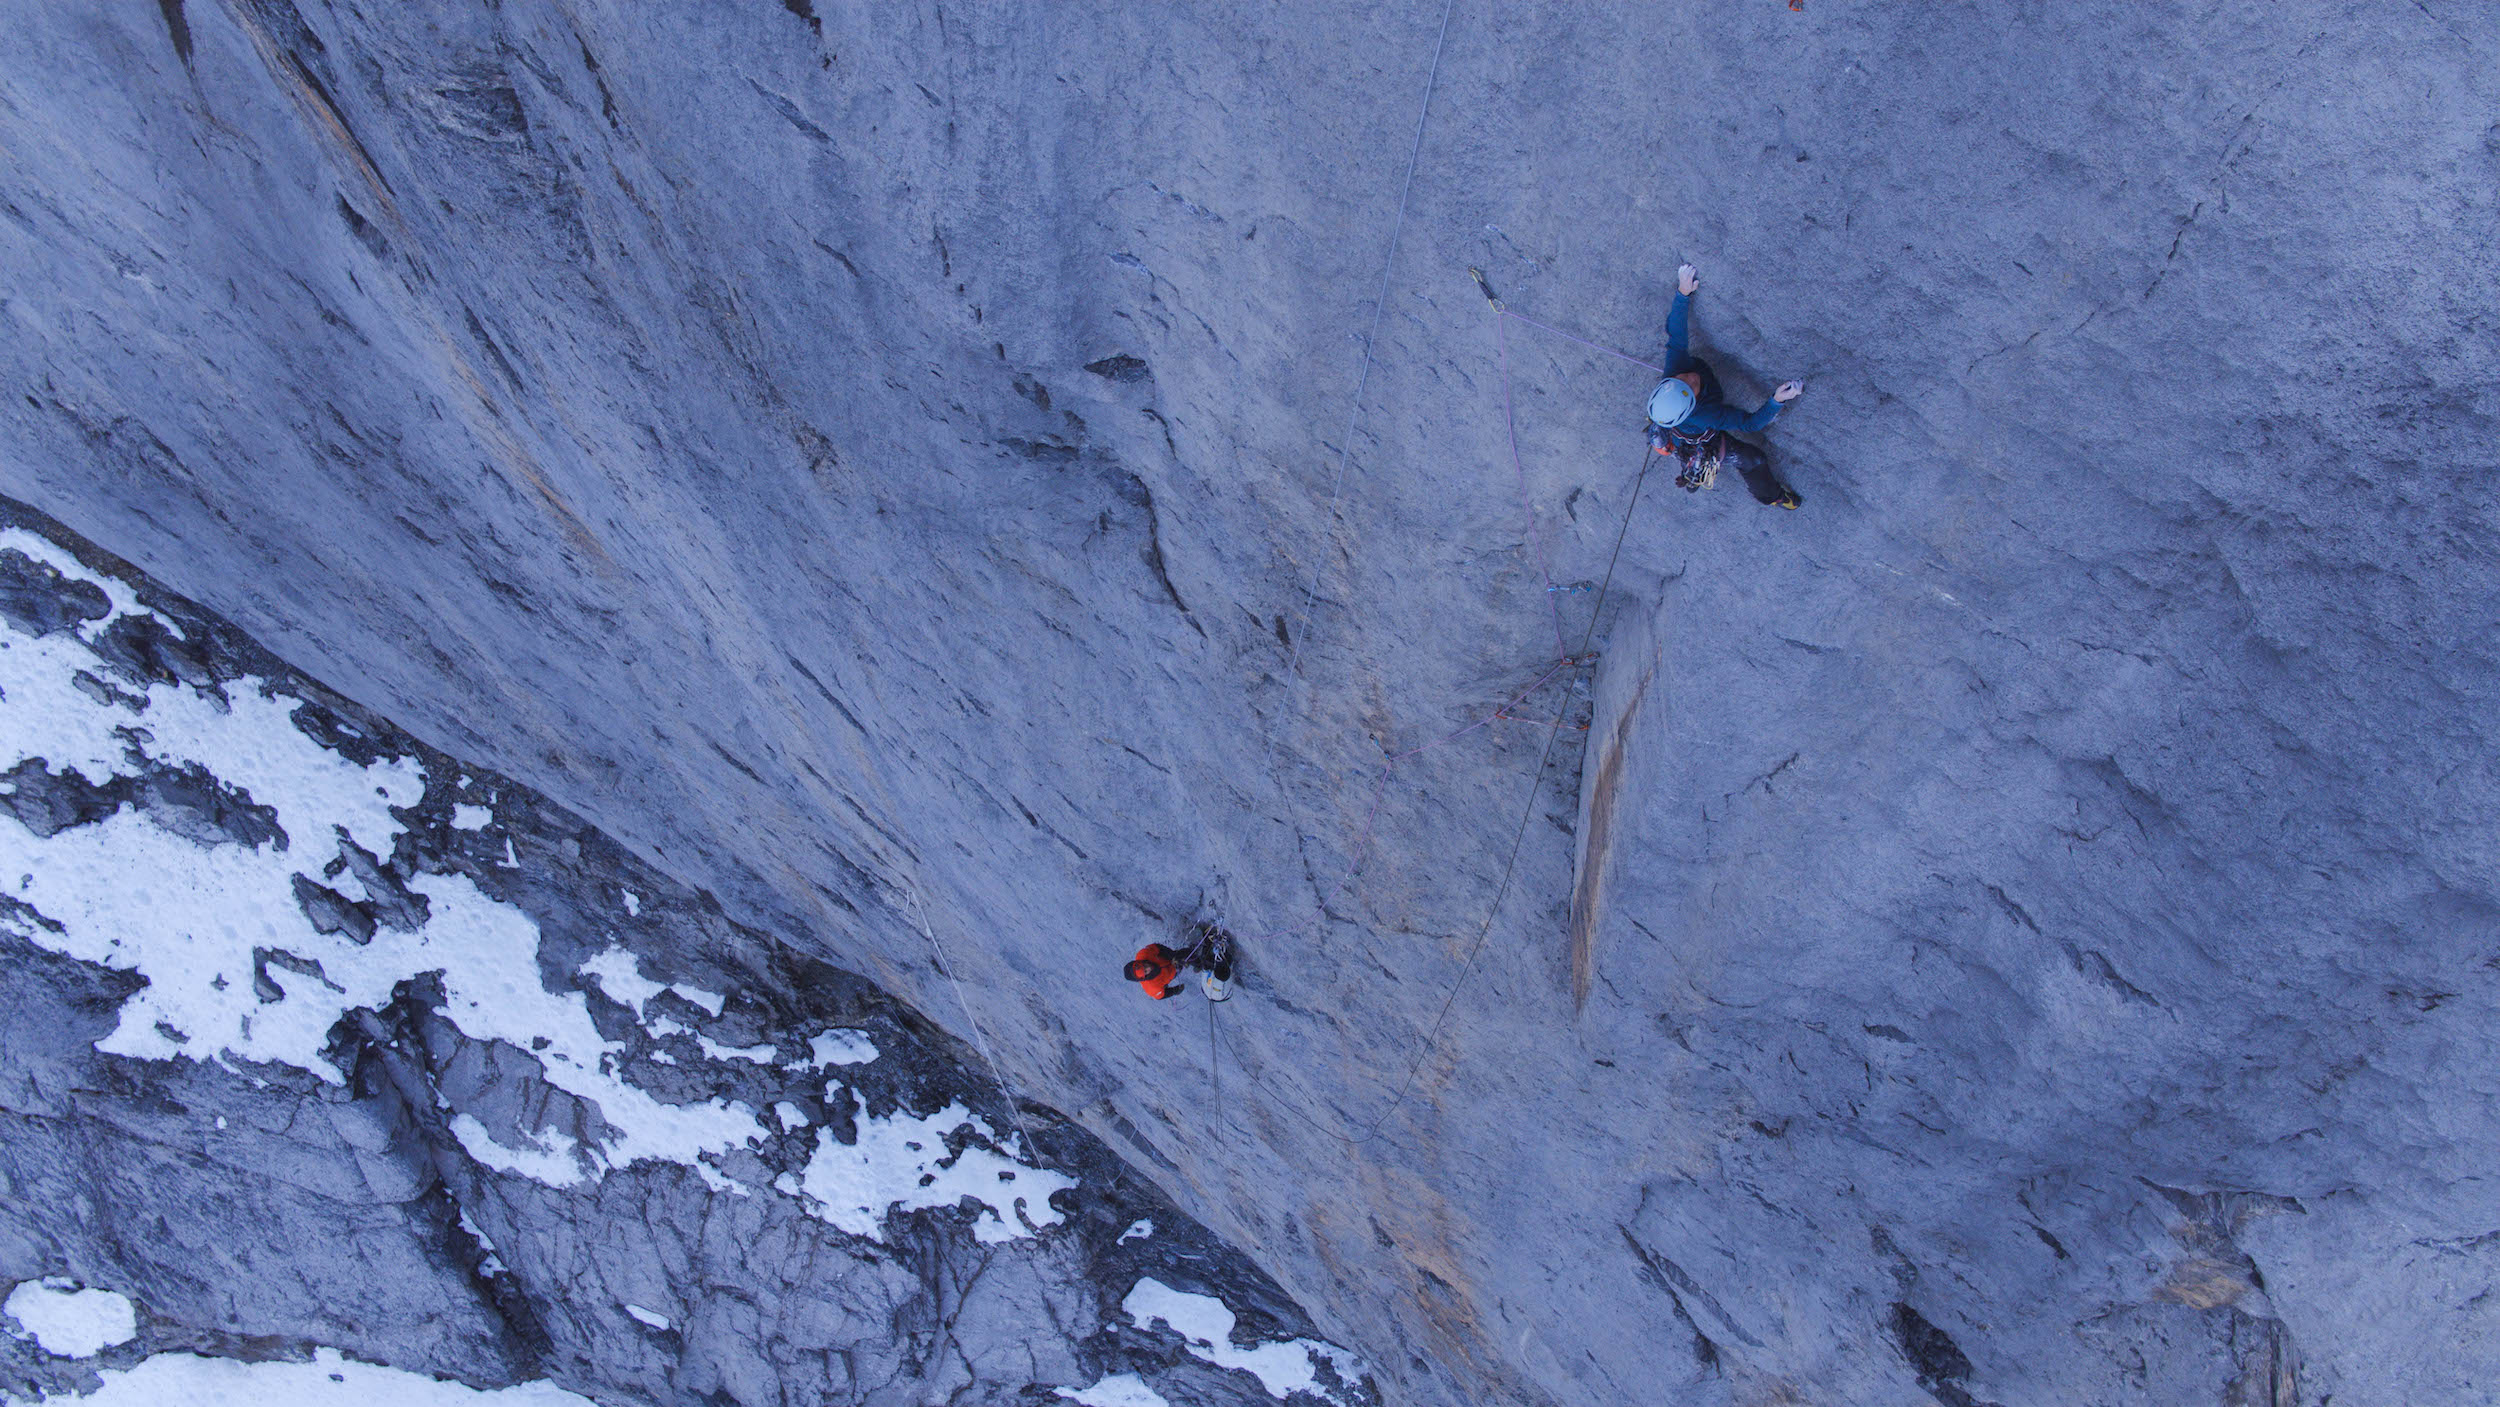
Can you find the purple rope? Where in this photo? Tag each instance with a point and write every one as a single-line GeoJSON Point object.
{"type": "Point", "coordinates": [1592, 346]}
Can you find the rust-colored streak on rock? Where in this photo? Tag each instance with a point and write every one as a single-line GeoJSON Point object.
{"type": "Point", "coordinates": [319, 112]}
{"type": "Point", "coordinates": [1592, 877]}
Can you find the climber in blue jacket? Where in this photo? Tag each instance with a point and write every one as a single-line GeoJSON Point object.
{"type": "Point", "coordinates": [1691, 421]}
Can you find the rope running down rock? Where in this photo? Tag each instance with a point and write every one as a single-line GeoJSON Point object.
{"type": "Point", "coordinates": [1580, 661]}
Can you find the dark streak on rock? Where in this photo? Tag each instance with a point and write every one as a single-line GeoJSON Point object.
{"type": "Point", "coordinates": [806, 10]}
{"type": "Point", "coordinates": [330, 109]}
{"type": "Point", "coordinates": [179, 26]}
{"type": "Point", "coordinates": [364, 230]}
{"type": "Point", "coordinates": [838, 706]}
{"type": "Point", "coordinates": [1121, 367]}
{"type": "Point", "coordinates": [477, 329]}
{"type": "Point", "coordinates": [843, 259]}
{"type": "Point", "coordinates": [1941, 1365]}
{"type": "Point", "coordinates": [1144, 498]}
{"type": "Point", "coordinates": [1669, 1276]}
{"type": "Point", "coordinates": [726, 756]}
{"type": "Point", "coordinates": [790, 113]}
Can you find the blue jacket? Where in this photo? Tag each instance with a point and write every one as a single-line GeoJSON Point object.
{"type": "Point", "coordinates": [1710, 408]}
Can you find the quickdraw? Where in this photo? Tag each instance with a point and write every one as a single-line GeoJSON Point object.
{"type": "Point", "coordinates": [1700, 458]}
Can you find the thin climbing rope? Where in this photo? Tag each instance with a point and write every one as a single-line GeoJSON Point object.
{"type": "Point", "coordinates": [1360, 854]}
{"type": "Point", "coordinates": [1380, 792]}
{"type": "Point", "coordinates": [947, 966]}
{"type": "Point", "coordinates": [1215, 1068]}
{"type": "Point", "coordinates": [1310, 596]}
{"type": "Point", "coordinates": [1593, 346]}
{"type": "Point", "coordinates": [1362, 379]}
{"type": "Point", "coordinates": [1510, 865]}
{"type": "Point", "coordinates": [1536, 781]}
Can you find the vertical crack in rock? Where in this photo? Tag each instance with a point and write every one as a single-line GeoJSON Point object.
{"type": "Point", "coordinates": [1143, 497]}
{"type": "Point", "coordinates": [1654, 1269]}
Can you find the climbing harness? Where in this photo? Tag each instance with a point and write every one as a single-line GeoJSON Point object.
{"type": "Point", "coordinates": [1698, 455]}
{"type": "Point", "coordinates": [1212, 956]}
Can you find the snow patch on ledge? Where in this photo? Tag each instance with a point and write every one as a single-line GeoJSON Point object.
{"type": "Point", "coordinates": [1206, 1324]}
{"type": "Point", "coordinates": [553, 1158]}
{"type": "Point", "coordinates": [330, 1380]}
{"type": "Point", "coordinates": [236, 971]}
{"type": "Point", "coordinates": [121, 600]}
{"type": "Point", "coordinates": [840, 1047]}
{"type": "Point", "coordinates": [70, 1322]}
{"type": "Point", "coordinates": [901, 1163]}
{"type": "Point", "coordinates": [763, 1054]}
{"type": "Point", "coordinates": [1118, 1390]}
{"type": "Point", "coordinates": [126, 893]}
{"type": "Point", "coordinates": [619, 974]}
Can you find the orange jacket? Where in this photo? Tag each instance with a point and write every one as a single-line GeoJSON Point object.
{"type": "Point", "coordinates": [1167, 965]}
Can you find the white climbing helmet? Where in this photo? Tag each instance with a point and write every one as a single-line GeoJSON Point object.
{"type": "Point", "coordinates": [1671, 402]}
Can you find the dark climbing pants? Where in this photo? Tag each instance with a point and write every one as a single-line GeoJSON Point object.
{"type": "Point", "coordinates": [1754, 462]}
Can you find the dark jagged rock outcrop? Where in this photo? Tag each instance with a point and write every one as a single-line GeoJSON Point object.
{"type": "Point", "coordinates": [257, 1209]}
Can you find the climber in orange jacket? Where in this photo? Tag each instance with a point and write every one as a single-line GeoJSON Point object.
{"type": "Point", "coordinates": [1157, 969]}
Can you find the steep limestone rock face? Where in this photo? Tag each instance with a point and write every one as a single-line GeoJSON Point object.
{"type": "Point", "coordinates": [2034, 903]}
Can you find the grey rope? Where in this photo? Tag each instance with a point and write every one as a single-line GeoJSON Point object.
{"type": "Point", "coordinates": [1510, 866]}
{"type": "Point", "coordinates": [1362, 379]}
{"type": "Point", "coordinates": [947, 966]}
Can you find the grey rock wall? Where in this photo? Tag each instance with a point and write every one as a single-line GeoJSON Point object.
{"type": "Point", "coordinates": [2039, 946]}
